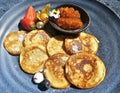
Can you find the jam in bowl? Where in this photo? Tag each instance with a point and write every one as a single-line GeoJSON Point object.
{"type": "Point", "coordinates": [69, 18]}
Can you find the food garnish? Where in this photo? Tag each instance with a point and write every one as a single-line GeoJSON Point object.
{"type": "Point", "coordinates": [42, 16]}
{"type": "Point", "coordinates": [44, 85]}
{"type": "Point", "coordinates": [28, 21]}
{"type": "Point", "coordinates": [40, 24]}
{"type": "Point", "coordinates": [54, 14]}
{"type": "Point", "coordinates": [38, 77]}
{"type": "Point", "coordinates": [30, 13]}
{"type": "Point", "coordinates": [28, 24]}
{"type": "Point", "coordinates": [33, 20]}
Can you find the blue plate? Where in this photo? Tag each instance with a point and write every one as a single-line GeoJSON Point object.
{"type": "Point", "coordinates": [104, 24]}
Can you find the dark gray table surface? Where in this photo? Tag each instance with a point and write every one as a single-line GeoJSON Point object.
{"type": "Point", "coordinates": [5, 5]}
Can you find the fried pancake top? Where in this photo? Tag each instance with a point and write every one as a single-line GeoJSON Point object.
{"type": "Point", "coordinates": [72, 45]}
{"type": "Point", "coordinates": [85, 70]}
{"type": "Point", "coordinates": [32, 59]}
{"type": "Point", "coordinates": [54, 70]}
{"type": "Point", "coordinates": [84, 42]}
{"type": "Point", "coordinates": [55, 45]}
{"type": "Point", "coordinates": [36, 36]}
{"type": "Point", "coordinates": [89, 43]}
{"type": "Point", "coordinates": [13, 42]}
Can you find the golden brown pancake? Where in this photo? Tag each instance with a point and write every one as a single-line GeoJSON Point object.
{"type": "Point", "coordinates": [54, 70]}
{"type": "Point", "coordinates": [83, 43]}
{"type": "Point", "coordinates": [32, 59]}
{"type": "Point", "coordinates": [55, 45]}
{"type": "Point", "coordinates": [89, 43]}
{"type": "Point", "coordinates": [37, 36]}
{"type": "Point", "coordinates": [13, 42]}
{"type": "Point", "coordinates": [72, 45]}
{"type": "Point", "coordinates": [85, 70]}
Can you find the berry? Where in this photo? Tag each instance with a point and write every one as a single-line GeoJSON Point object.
{"type": "Point", "coordinates": [38, 78]}
{"type": "Point", "coordinates": [44, 85]}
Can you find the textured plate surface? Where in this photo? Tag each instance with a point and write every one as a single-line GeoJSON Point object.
{"type": "Point", "coordinates": [105, 25]}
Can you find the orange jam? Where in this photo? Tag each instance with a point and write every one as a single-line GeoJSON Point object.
{"type": "Point", "coordinates": [69, 18]}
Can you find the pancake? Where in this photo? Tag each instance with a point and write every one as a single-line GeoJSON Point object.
{"type": "Point", "coordinates": [83, 43]}
{"type": "Point", "coordinates": [37, 36]}
{"type": "Point", "coordinates": [13, 42]}
{"type": "Point", "coordinates": [32, 59]}
{"type": "Point", "coordinates": [85, 70]}
{"type": "Point", "coordinates": [54, 70]}
{"type": "Point", "coordinates": [55, 45]}
{"type": "Point", "coordinates": [89, 43]}
{"type": "Point", "coordinates": [72, 45]}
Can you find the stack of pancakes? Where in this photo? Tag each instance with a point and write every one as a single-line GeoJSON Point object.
{"type": "Point", "coordinates": [31, 48]}
{"type": "Point", "coordinates": [64, 59]}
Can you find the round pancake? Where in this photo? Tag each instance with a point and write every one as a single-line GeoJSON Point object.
{"type": "Point", "coordinates": [89, 43]}
{"type": "Point", "coordinates": [37, 36]}
{"type": "Point", "coordinates": [32, 59]}
{"type": "Point", "coordinates": [84, 42]}
{"type": "Point", "coordinates": [13, 42]}
{"type": "Point", "coordinates": [54, 70]}
{"type": "Point", "coordinates": [85, 70]}
{"type": "Point", "coordinates": [72, 45]}
{"type": "Point", "coordinates": [55, 45]}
